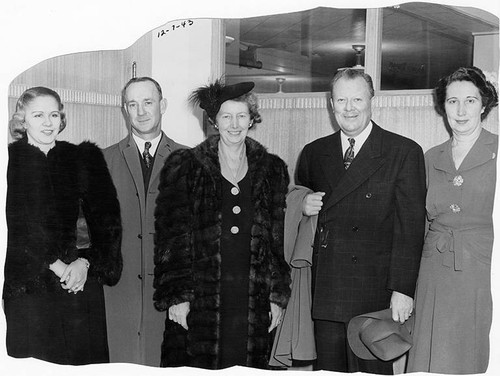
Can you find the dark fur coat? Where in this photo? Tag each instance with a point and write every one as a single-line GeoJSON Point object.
{"type": "Point", "coordinates": [187, 253]}
{"type": "Point", "coordinates": [44, 197]}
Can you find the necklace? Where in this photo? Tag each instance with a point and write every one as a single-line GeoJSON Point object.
{"type": "Point", "coordinates": [234, 164]}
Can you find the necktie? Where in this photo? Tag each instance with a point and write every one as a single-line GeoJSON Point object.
{"type": "Point", "coordinates": [145, 154]}
{"type": "Point", "coordinates": [349, 153]}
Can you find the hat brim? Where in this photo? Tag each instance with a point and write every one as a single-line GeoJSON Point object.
{"type": "Point", "coordinates": [234, 91]}
{"type": "Point", "coordinates": [362, 321]}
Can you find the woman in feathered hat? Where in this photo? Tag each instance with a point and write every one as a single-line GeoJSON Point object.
{"type": "Point", "coordinates": [220, 271]}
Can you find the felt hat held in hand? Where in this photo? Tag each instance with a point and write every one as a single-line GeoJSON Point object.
{"type": "Point", "coordinates": [376, 335]}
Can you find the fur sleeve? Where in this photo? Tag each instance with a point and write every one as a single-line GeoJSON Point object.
{"type": "Point", "coordinates": [280, 271]}
{"type": "Point", "coordinates": [102, 212]}
{"type": "Point", "coordinates": [28, 246]}
{"type": "Point", "coordinates": [173, 258]}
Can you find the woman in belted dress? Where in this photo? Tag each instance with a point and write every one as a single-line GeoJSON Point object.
{"type": "Point", "coordinates": [453, 304]}
{"type": "Point", "coordinates": [219, 265]}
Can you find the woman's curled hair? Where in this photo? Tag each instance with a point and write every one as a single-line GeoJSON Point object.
{"type": "Point", "coordinates": [17, 122]}
{"type": "Point", "coordinates": [489, 95]}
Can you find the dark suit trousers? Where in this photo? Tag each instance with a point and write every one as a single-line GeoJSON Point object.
{"type": "Point", "coordinates": [334, 353]}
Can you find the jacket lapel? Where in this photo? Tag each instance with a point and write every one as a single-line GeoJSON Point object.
{"type": "Point", "coordinates": [444, 161]}
{"type": "Point", "coordinates": [332, 161]}
{"type": "Point", "coordinates": [481, 152]}
{"type": "Point", "coordinates": [131, 156]}
{"type": "Point", "coordinates": [365, 163]}
{"type": "Point", "coordinates": [162, 152]}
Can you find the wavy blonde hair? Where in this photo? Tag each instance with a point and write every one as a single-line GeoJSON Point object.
{"type": "Point", "coordinates": [17, 122]}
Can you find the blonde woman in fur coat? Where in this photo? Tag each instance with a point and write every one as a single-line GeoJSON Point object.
{"type": "Point", "coordinates": [53, 295]}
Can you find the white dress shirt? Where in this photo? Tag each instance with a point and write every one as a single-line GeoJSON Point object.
{"type": "Point", "coordinates": [154, 144]}
{"type": "Point", "coordinates": [359, 139]}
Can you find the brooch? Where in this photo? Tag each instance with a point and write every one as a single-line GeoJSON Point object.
{"type": "Point", "coordinates": [458, 180]}
{"type": "Point", "coordinates": [455, 208]}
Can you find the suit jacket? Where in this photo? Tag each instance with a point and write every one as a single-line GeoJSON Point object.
{"type": "Point", "coordinates": [371, 226]}
{"type": "Point", "coordinates": [134, 326]}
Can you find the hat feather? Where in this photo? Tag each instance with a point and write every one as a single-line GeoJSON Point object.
{"type": "Point", "coordinates": [208, 97]}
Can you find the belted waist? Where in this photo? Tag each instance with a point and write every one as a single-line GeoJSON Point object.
{"type": "Point", "coordinates": [450, 242]}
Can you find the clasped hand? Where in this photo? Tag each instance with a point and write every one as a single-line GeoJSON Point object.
{"type": "Point", "coordinates": [73, 276]}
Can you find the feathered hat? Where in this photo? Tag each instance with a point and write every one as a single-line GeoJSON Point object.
{"type": "Point", "coordinates": [211, 97]}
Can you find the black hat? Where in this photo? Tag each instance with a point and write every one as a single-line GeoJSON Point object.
{"type": "Point", "coordinates": [376, 335]}
{"type": "Point", "coordinates": [211, 97]}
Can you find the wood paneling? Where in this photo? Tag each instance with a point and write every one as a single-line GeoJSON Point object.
{"type": "Point", "coordinates": [90, 85]}
{"type": "Point", "coordinates": [96, 71]}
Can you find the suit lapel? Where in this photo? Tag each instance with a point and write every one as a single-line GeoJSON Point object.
{"type": "Point", "coordinates": [365, 163]}
{"type": "Point", "coordinates": [131, 157]}
{"type": "Point", "coordinates": [331, 161]}
{"type": "Point", "coordinates": [162, 152]}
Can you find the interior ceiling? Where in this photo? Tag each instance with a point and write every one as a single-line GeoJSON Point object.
{"type": "Point", "coordinates": [329, 33]}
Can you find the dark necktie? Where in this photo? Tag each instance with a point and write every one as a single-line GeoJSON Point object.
{"type": "Point", "coordinates": [145, 154]}
{"type": "Point", "coordinates": [349, 153]}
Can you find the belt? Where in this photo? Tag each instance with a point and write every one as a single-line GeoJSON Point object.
{"type": "Point", "coordinates": [450, 244]}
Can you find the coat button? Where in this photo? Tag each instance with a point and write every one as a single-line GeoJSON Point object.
{"type": "Point", "coordinates": [355, 229]}
{"type": "Point", "coordinates": [139, 236]}
{"type": "Point", "coordinates": [368, 195]}
{"type": "Point", "coordinates": [354, 259]}
{"type": "Point", "coordinates": [139, 276]}
{"type": "Point", "coordinates": [235, 191]}
{"type": "Point", "coordinates": [236, 209]}
{"type": "Point", "coordinates": [235, 230]}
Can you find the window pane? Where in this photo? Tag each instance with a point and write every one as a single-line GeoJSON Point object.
{"type": "Point", "coordinates": [305, 48]}
{"type": "Point", "coordinates": [422, 42]}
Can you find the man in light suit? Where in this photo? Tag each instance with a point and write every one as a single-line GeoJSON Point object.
{"type": "Point", "coordinates": [135, 328]}
{"type": "Point", "coordinates": [369, 192]}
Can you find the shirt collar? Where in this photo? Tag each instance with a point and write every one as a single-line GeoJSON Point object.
{"type": "Point", "coordinates": [154, 143]}
{"type": "Point", "coordinates": [360, 139]}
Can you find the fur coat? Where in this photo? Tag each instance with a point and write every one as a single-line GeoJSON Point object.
{"type": "Point", "coordinates": [45, 195]}
{"type": "Point", "coordinates": [187, 251]}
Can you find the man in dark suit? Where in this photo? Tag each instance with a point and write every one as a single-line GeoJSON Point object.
{"type": "Point", "coordinates": [135, 328]}
{"type": "Point", "coordinates": [369, 193]}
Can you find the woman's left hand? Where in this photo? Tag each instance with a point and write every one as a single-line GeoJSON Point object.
{"type": "Point", "coordinates": [74, 276]}
{"type": "Point", "coordinates": [276, 316]}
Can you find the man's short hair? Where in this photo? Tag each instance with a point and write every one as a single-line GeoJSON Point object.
{"type": "Point", "coordinates": [351, 74]}
{"type": "Point", "coordinates": [140, 79]}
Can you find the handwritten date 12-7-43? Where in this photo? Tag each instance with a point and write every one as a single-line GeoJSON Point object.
{"type": "Point", "coordinates": [175, 26]}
